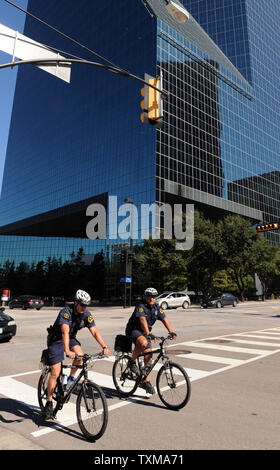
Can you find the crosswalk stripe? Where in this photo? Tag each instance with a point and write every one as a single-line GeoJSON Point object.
{"type": "Point", "coordinates": [274, 333]}
{"type": "Point", "coordinates": [259, 336]}
{"type": "Point", "coordinates": [258, 343]}
{"type": "Point", "coordinates": [19, 391]}
{"type": "Point", "coordinates": [195, 374]}
{"type": "Point", "coordinates": [26, 394]}
{"type": "Point", "coordinates": [225, 348]}
{"type": "Point", "coordinates": [217, 359]}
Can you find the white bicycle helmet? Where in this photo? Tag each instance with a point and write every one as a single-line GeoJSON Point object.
{"type": "Point", "coordinates": [151, 292]}
{"type": "Point", "coordinates": [82, 297]}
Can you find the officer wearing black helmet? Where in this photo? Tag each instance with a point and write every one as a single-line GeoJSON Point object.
{"type": "Point", "coordinates": [139, 328]}
{"type": "Point", "coordinates": [70, 320]}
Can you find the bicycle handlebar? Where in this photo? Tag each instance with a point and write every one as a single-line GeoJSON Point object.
{"type": "Point", "coordinates": [87, 357]}
{"type": "Point", "coordinates": [161, 338]}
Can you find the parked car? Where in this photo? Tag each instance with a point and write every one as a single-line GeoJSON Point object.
{"type": "Point", "coordinates": [8, 326]}
{"type": "Point", "coordinates": [220, 301]}
{"type": "Point", "coordinates": [173, 300]}
{"type": "Point", "coordinates": [26, 301]}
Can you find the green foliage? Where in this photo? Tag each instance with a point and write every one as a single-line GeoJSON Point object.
{"type": "Point", "coordinates": [53, 278]}
{"type": "Point", "coordinates": [224, 257]}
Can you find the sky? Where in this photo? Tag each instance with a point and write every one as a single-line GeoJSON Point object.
{"type": "Point", "coordinates": [14, 19]}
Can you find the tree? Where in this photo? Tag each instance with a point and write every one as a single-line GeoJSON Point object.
{"type": "Point", "coordinates": [238, 243]}
{"type": "Point", "coordinates": [267, 262]}
{"type": "Point", "coordinates": [159, 264]}
{"type": "Point", "coordinates": [204, 259]}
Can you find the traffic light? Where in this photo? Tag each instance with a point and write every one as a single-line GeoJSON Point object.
{"type": "Point", "coordinates": [123, 256]}
{"type": "Point", "coordinates": [267, 227]}
{"type": "Point", "coordinates": [152, 103]}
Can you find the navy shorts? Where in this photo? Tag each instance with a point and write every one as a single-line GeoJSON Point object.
{"type": "Point", "coordinates": [134, 334]}
{"type": "Point", "coordinates": [56, 350]}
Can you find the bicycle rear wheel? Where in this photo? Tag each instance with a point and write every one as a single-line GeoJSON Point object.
{"type": "Point", "coordinates": [173, 386]}
{"type": "Point", "coordinates": [92, 411]}
{"type": "Point", "coordinates": [125, 381]}
{"type": "Point", "coordinates": [42, 391]}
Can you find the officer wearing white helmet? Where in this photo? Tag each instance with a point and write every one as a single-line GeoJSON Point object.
{"type": "Point", "coordinates": [62, 338]}
{"type": "Point", "coordinates": [139, 328]}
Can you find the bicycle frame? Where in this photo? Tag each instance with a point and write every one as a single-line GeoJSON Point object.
{"type": "Point", "coordinates": [161, 355]}
{"type": "Point", "coordinates": [64, 396]}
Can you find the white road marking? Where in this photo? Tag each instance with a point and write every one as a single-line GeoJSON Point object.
{"type": "Point", "coordinates": [19, 391]}
{"type": "Point", "coordinates": [258, 343]}
{"type": "Point", "coordinates": [26, 394]}
{"type": "Point", "coordinates": [217, 359]}
{"type": "Point", "coordinates": [220, 347]}
{"type": "Point", "coordinates": [259, 336]}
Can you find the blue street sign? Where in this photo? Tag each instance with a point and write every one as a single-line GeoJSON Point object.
{"type": "Point", "coordinates": [126, 279]}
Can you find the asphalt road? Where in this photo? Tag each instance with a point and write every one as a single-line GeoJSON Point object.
{"type": "Point", "coordinates": [231, 355]}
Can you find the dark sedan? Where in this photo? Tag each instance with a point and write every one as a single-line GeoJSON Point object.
{"type": "Point", "coordinates": [219, 301]}
{"type": "Point", "coordinates": [8, 326]}
{"type": "Point", "coordinates": [26, 301]}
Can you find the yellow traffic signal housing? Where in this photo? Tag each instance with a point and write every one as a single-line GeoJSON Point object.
{"type": "Point", "coordinates": [143, 116]}
{"type": "Point", "coordinates": [266, 227]}
{"type": "Point", "coordinates": [152, 103]}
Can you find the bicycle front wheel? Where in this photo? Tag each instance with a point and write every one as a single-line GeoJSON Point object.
{"type": "Point", "coordinates": [125, 381]}
{"type": "Point", "coordinates": [173, 386]}
{"type": "Point", "coordinates": [92, 411]}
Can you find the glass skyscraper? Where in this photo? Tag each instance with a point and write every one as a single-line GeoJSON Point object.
{"type": "Point", "coordinates": [73, 145]}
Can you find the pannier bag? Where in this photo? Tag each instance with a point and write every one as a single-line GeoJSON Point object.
{"type": "Point", "coordinates": [123, 343]}
{"type": "Point", "coordinates": [50, 337]}
{"type": "Point", "coordinates": [44, 357]}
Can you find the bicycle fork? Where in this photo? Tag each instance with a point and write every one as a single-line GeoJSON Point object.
{"type": "Point", "coordinates": [88, 399]}
{"type": "Point", "coordinates": [169, 375]}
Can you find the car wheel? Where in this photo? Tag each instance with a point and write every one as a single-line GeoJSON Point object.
{"type": "Point", "coordinates": [164, 305]}
{"type": "Point", "coordinates": [186, 304]}
{"type": "Point", "coordinates": [234, 303]}
{"type": "Point", "coordinates": [218, 304]}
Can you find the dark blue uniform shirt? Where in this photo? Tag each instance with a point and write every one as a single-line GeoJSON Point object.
{"type": "Point", "coordinates": [75, 322]}
{"type": "Point", "coordinates": [152, 314]}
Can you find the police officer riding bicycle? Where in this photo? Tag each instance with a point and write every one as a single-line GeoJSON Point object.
{"type": "Point", "coordinates": [139, 328]}
{"type": "Point", "coordinates": [62, 338]}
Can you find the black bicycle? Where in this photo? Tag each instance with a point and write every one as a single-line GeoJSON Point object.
{"type": "Point", "coordinates": [172, 382]}
{"type": "Point", "coordinates": [91, 404]}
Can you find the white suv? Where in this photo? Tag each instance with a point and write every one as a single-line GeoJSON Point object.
{"type": "Point", "coordinates": [173, 300]}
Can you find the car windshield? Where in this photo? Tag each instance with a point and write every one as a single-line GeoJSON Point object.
{"type": "Point", "coordinates": [212, 297]}
{"type": "Point", "coordinates": [163, 295]}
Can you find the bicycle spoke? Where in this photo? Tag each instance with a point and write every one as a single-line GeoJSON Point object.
{"type": "Point", "coordinates": [92, 411]}
{"type": "Point", "coordinates": [124, 379]}
{"type": "Point", "coordinates": [42, 389]}
{"type": "Point", "coordinates": [173, 386]}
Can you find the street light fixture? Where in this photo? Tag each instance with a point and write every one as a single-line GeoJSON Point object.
{"type": "Point", "coordinates": [178, 12]}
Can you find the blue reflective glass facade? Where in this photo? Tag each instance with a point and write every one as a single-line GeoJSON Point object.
{"type": "Point", "coordinates": [219, 145]}
{"type": "Point", "coordinates": [70, 142]}
{"type": "Point", "coordinates": [247, 32]}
